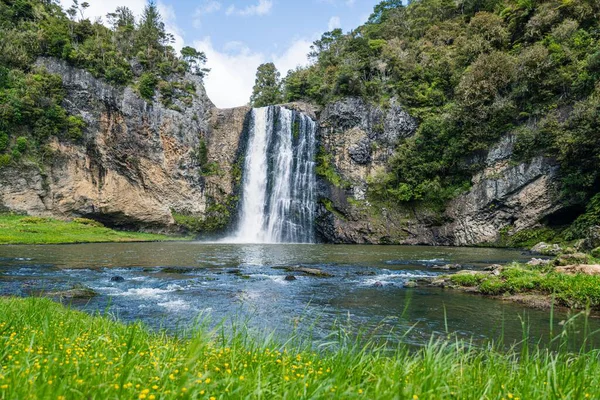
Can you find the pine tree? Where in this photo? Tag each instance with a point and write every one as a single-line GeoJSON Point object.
{"type": "Point", "coordinates": [267, 87]}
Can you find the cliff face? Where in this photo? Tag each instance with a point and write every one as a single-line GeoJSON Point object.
{"type": "Point", "coordinates": [141, 163]}
{"type": "Point", "coordinates": [361, 138]}
{"type": "Point", "coordinates": [137, 162]}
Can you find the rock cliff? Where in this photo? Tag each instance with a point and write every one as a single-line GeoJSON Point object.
{"type": "Point", "coordinates": [360, 138]}
{"type": "Point", "coordinates": [137, 163]}
{"type": "Point", "coordinates": [141, 164]}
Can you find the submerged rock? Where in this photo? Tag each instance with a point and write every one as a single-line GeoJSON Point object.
{"type": "Point", "coordinates": [447, 267]}
{"type": "Point", "coordinates": [310, 271]}
{"type": "Point", "coordinates": [74, 293]}
{"type": "Point", "coordinates": [410, 284]}
{"type": "Point", "coordinates": [290, 278]}
{"type": "Point", "coordinates": [117, 279]}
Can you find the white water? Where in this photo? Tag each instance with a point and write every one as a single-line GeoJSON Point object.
{"type": "Point", "coordinates": [278, 194]}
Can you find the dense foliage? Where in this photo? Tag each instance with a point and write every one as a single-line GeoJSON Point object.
{"type": "Point", "coordinates": [128, 51]}
{"type": "Point", "coordinates": [471, 71]}
{"type": "Point", "coordinates": [267, 87]}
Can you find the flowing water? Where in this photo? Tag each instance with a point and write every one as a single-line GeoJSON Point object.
{"type": "Point", "coordinates": [170, 284]}
{"type": "Point", "coordinates": [278, 194]}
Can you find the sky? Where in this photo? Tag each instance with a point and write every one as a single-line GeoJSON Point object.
{"type": "Point", "coordinates": [239, 35]}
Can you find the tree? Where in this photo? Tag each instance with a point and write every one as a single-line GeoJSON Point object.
{"type": "Point", "coordinates": [267, 87]}
{"type": "Point", "coordinates": [195, 61]}
{"type": "Point", "coordinates": [151, 33]}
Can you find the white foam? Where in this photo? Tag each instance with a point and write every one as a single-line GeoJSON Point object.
{"type": "Point", "coordinates": [175, 305]}
{"type": "Point", "coordinates": [150, 293]}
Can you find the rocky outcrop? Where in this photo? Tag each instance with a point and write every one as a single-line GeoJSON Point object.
{"type": "Point", "coordinates": [137, 162]}
{"type": "Point", "coordinates": [504, 197]}
{"type": "Point", "coordinates": [141, 163]}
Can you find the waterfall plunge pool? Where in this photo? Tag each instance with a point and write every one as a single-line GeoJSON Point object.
{"type": "Point", "coordinates": [168, 285]}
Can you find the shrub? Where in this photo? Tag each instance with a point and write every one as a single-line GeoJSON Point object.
{"type": "Point", "coordinates": [147, 85]}
{"type": "Point", "coordinates": [34, 220]}
{"type": "Point", "coordinates": [89, 222]}
{"type": "Point", "coordinates": [5, 159]}
{"type": "Point", "coordinates": [75, 126]}
{"type": "Point", "coordinates": [22, 144]}
{"type": "Point", "coordinates": [4, 141]}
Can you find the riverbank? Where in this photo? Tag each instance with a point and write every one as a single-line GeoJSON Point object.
{"type": "Point", "coordinates": [19, 229]}
{"type": "Point", "coordinates": [540, 286]}
{"type": "Point", "coordinates": [48, 351]}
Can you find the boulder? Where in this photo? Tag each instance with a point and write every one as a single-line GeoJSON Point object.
{"type": "Point", "coordinates": [117, 279]}
{"type": "Point", "coordinates": [572, 259]}
{"type": "Point", "coordinates": [310, 271]}
{"type": "Point", "coordinates": [537, 262]}
{"type": "Point", "coordinates": [546, 249]}
{"type": "Point", "coordinates": [410, 284]}
{"type": "Point", "coordinates": [290, 278]}
{"type": "Point", "coordinates": [580, 269]}
{"type": "Point", "coordinates": [78, 292]}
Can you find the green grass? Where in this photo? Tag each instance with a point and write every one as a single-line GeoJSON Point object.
{"type": "Point", "coordinates": [18, 229]}
{"type": "Point", "coordinates": [49, 352]}
{"type": "Point", "coordinates": [571, 290]}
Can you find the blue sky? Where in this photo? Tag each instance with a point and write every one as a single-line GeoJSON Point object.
{"type": "Point", "coordinates": [239, 35]}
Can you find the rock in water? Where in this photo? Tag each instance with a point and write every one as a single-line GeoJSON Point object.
{"type": "Point", "coordinates": [310, 271]}
{"type": "Point", "coordinates": [546, 249]}
{"type": "Point", "coordinates": [117, 279]}
{"type": "Point", "coordinates": [290, 278]}
{"type": "Point", "coordinates": [75, 293]}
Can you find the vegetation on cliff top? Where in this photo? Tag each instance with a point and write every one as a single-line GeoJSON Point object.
{"type": "Point", "coordinates": [471, 71]}
{"type": "Point", "coordinates": [48, 351]}
{"type": "Point", "coordinates": [128, 52]}
{"type": "Point", "coordinates": [18, 229]}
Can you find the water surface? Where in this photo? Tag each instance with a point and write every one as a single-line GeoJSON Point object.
{"type": "Point", "coordinates": [169, 285]}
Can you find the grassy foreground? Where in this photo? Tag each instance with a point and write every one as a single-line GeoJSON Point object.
{"type": "Point", "coordinates": [49, 352]}
{"type": "Point", "coordinates": [18, 229]}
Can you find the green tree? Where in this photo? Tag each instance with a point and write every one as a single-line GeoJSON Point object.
{"type": "Point", "coordinates": [195, 61]}
{"type": "Point", "coordinates": [267, 87]}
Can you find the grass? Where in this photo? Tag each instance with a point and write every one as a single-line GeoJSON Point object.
{"type": "Point", "coordinates": [571, 290]}
{"type": "Point", "coordinates": [18, 229]}
{"type": "Point", "coordinates": [50, 352]}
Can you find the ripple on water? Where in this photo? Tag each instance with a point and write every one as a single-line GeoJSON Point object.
{"type": "Point", "coordinates": [175, 305]}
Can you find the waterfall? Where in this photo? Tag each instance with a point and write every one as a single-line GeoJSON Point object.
{"type": "Point", "coordinates": [278, 193]}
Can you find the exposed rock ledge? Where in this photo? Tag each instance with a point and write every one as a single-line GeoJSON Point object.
{"type": "Point", "coordinates": [503, 196]}
{"type": "Point", "coordinates": [137, 161]}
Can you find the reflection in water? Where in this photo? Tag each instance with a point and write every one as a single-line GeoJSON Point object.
{"type": "Point", "coordinates": [170, 284]}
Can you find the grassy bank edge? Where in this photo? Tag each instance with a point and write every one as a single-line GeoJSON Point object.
{"type": "Point", "coordinates": [25, 230]}
{"type": "Point", "coordinates": [542, 286]}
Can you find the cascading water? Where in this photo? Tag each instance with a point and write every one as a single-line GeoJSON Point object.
{"type": "Point", "coordinates": [278, 194]}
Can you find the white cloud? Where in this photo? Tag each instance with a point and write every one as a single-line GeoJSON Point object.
{"type": "Point", "coordinates": [294, 56]}
{"type": "Point", "coordinates": [334, 23]}
{"type": "Point", "coordinates": [230, 81]}
{"type": "Point", "coordinates": [99, 8]}
{"type": "Point", "coordinates": [208, 7]}
{"type": "Point", "coordinates": [263, 7]}
{"type": "Point", "coordinates": [233, 68]}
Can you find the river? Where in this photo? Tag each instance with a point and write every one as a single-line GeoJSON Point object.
{"type": "Point", "coordinates": [169, 285]}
